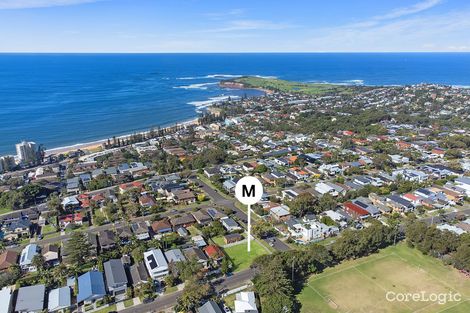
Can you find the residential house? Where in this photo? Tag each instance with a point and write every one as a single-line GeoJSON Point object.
{"type": "Point", "coordinates": [162, 226]}
{"type": "Point", "coordinates": [199, 241]}
{"type": "Point", "coordinates": [147, 201]}
{"type": "Point", "coordinates": [139, 273]}
{"type": "Point", "coordinates": [399, 204]}
{"type": "Point", "coordinates": [30, 299]}
{"type": "Point", "coordinates": [59, 299]}
{"type": "Point", "coordinates": [231, 238]}
{"type": "Point", "coordinates": [306, 230]}
{"type": "Point", "coordinates": [90, 287]}
{"type": "Point", "coordinates": [141, 230]}
{"type": "Point", "coordinates": [463, 183]}
{"type": "Point", "coordinates": [50, 252]}
{"type": "Point", "coordinates": [194, 253]}
{"type": "Point", "coordinates": [209, 307]}
{"type": "Point", "coordinates": [245, 302]}
{"type": "Point", "coordinates": [73, 185]}
{"type": "Point", "coordinates": [125, 234]}
{"type": "Point", "coordinates": [6, 297]}
{"type": "Point", "coordinates": [174, 256]}
{"type": "Point", "coordinates": [156, 263]}
{"type": "Point", "coordinates": [27, 255]}
{"type": "Point", "coordinates": [229, 224]}
{"type": "Point", "coordinates": [70, 219]}
{"type": "Point", "coordinates": [214, 252]}
{"type": "Point", "coordinates": [129, 186]}
{"type": "Point", "coordinates": [184, 196]}
{"type": "Point", "coordinates": [116, 279]}
{"type": "Point", "coordinates": [366, 205]}
{"type": "Point", "coordinates": [182, 221]}
{"type": "Point", "coordinates": [70, 203]}
{"type": "Point", "coordinates": [18, 228]}
{"type": "Point", "coordinates": [280, 212]}
{"type": "Point", "coordinates": [8, 258]}
{"type": "Point", "coordinates": [355, 211]}
{"type": "Point", "coordinates": [214, 214]}
{"type": "Point", "coordinates": [229, 185]}
{"type": "Point", "coordinates": [107, 240]}
{"type": "Point", "coordinates": [209, 172]}
{"type": "Point", "coordinates": [201, 217]}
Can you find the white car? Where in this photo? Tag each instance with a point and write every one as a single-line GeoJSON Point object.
{"type": "Point", "coordinates": [227, 309]}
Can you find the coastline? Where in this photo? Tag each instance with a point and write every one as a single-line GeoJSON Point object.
{"type": "Point", "coordinates": [91, 145]}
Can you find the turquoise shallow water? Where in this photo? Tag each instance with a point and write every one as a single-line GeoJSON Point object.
{"type": "Point", "coordinates": [64, 99]}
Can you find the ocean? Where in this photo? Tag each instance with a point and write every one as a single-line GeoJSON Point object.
{"type": "Point", "coordinates": [65, 99]}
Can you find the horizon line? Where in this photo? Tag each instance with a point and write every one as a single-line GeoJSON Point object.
{"type": "Point", "coordinates": [227, 52]}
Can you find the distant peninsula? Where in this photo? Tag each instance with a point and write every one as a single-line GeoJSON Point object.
{"type": "Point", "coordinates": [271, 85]}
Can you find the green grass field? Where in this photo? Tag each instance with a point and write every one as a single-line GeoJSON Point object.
{"type": "Point", "coordinates": [241, 258]}
{"type": "Point", "coordinates": [361, 285]}
{"type": "Point", "coordinates": [289, 86]}
{"type": "Point", "coordinates": [219, 240]}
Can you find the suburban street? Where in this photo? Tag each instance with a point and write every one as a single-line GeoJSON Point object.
{"type": "Point", "coordinates": [168, 301]}
{"type": "Point", "coordinates": [218, 199]}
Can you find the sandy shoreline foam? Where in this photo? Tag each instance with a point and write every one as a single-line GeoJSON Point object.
{"type": "Point", "coordinates": [97, 143]}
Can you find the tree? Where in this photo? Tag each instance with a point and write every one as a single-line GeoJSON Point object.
{"type": "Point", "coordinates": [327, 202]}
{"type": "Point", "coordinates": [193, 293]}
{"type": "Point", "coordinates": [302, 204]}
{"type": "Point", "coordinates": [461, 257]}
{"type": "Point", "coordinates": [225, 266]}
{"type": "Point", "coordinates": [170, 280]}
{"type": "Point", "coordinates": [78, 248]}
{"type": "Point", "coordinates": [145, 291]}
{"type": "Point", "coordinates": [382, 161]}
{"type": "Point", "coordinates": [263, 229]}
{"type": "Point", "coordinates": [201, 197]}
{"type": "Point", "coordinates": [54, 204]}
{"type": "Point", "coordinates": [274, 287]}
{"type": "Point", "coordinates": [261, 169]}
{"type": "Point", "coordinates": [39, 262]}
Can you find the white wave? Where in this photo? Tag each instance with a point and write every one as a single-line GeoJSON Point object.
{"type": "Point", "coordinates": [223, 76]}
{"type": "Point", "coordinates": [202, 86]}
{"type": "Point", "coordinates": [357, 82]}
{"type": "Point", "coordinates": [212, 100]}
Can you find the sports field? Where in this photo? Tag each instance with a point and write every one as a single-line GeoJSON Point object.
{"type": "Point", "coordinates": [362, 285]}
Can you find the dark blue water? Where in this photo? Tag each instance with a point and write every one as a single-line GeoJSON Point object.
{"type": "Point", "coordinates": [64, 99]}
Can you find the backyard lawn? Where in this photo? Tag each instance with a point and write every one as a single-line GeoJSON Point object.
{"type": "Point", "coordinates": [362, 285]}
{"type": "Point", "coordinates": [241, 258]}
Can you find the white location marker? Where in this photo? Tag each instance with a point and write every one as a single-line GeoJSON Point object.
{"type": "Point", "coordinates": [248, 191]}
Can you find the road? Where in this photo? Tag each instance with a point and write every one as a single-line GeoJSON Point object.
{"type": "Point", "coordinates": [222, 201]}
{"type": "Point", "coordinates": [168, 301]}
{"type": "Point", "coordinates": [278, 244]}
{"type": "Point", "coordinates": [447, 216]}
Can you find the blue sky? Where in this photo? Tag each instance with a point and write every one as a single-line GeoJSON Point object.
{"type": "Point", "coordinates": [234, 26]}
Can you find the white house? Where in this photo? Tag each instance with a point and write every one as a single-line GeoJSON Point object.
{"type": "Point", "coordinates": [156, 263]}
{"type": "Point", "coordinates": [245, 302]}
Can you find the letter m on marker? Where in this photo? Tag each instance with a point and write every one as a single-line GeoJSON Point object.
{"type": "Point", "coordinates": [248, 193]}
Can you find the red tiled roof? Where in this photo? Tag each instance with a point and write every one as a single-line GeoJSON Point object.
{"type": "Point", "coordinates": [213, 251]}
{"type": "Point", "coordinates": [355, 208]}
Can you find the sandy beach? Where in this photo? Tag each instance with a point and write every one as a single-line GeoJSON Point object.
{"type": "Point", "coordinates": [93, 145]}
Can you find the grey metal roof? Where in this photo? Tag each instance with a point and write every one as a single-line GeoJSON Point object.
{"type": "Point", "coordinates": [59, 298]}
{"type": "Point", "coordinates": [114, 272]}
{"type": "Point", "coordinates": [174, 256]}
{"type": "Point", "coordinates": [139, 273]}
{"type": "Point", "coordinates": [209, 307]}
{"type": "Point", "coordinates": [30, 298]}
